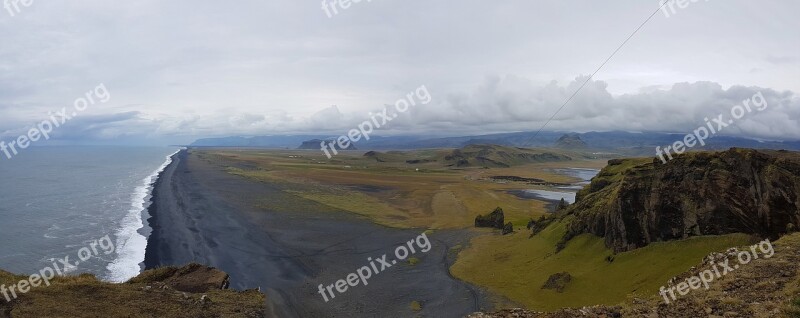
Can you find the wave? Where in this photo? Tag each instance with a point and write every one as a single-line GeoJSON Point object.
{"type": "Point", "coordinates": [131, 245]}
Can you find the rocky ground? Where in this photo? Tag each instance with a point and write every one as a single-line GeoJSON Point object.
{"type": "Point", "coordinates": [764, 287]}
{"type": "Point", "coordinates": [189, 291]}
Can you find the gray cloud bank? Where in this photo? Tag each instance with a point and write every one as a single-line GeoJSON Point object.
{"type": "Point", "coordinates": [504, 104]}
{"type": "Point", "coordinates": [186, 69]}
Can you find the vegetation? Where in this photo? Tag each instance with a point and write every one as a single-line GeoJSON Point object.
{"type": "Point", "coordinates": [516, 266]}
{"type": "Point", "coordinates": [501, 156]}
{"type": "Point", "coordinates": [611, 174]}
{"type": "Point", "coordinates": [85, 296]}
{"type": "Point", "coordinates": [793, 309]}
{"type": "Point", "coordinates": [414, 189]}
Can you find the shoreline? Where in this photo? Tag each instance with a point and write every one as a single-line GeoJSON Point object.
{"type": "Point", "coordinates": [200, 213]}
{"type": "Point", "coordinates": [151, 222]}
{"type": "Point", "coordinates": [135, 229]}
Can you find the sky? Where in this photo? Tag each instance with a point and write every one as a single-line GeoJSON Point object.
{"type": "Point", "coordinates": [180, 70]}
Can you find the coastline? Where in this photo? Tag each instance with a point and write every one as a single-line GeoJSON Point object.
{"type": "Point", "coordinates": [151, 222]}
{"type": "Point", "coordinates": [132, 235]}
{"type": "Point", "coordinates": [200, 213]}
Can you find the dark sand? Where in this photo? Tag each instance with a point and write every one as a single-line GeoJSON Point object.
{"type": "Point", "coordinates": [202, 214]}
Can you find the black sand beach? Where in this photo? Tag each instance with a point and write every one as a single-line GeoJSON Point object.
{"type": "Point", "coordinates": [201, 213]}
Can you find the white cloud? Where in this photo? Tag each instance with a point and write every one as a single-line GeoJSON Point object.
{"type": "Point", "coordinates": [205, 68]}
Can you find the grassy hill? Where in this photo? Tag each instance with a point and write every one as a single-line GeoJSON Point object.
{"type": "Point", "coordinates": [517, 266]}
{"type": "Point", "coordinates": [501, 156]}
{"type": "Point", "coordinates": [638, 224]}
{"type": "Point", "coordinates": [634, 202]}
{"type": "Point", "coordinates": [763, 288]}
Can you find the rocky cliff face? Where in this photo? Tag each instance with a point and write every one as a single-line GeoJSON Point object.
{"type": "Point", "coordinates": [634, 202]}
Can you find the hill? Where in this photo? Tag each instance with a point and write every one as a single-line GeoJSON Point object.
{"type": "Point", "coordinates": [190, 291]}
{"type": "Point", "coordinates": [639, 224]}
{"type": "Point", "coordinates": [620, 142]}
{"type": "Point", "coordinates": [763, 288]}
{"type": "Point", "coordinates": [500, 156]}
{"type": "Point", "coordinates": [316, 144]}
{"type": "Point", "coordinates": [570, 141]}
{"type": "Point", "coordinates": [634, 202]}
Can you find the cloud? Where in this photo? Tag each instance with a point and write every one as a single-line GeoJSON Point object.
{"type": "Point", "coordinates": [201, 68]}
{"type": "Point", "coordinates": [508, 104]}
{"type": "Point", "coordinates": [499, 104]}
{"type": "Point", "coordinates": [516, 104]}
{"type": "Point", "coordinates": [781, 60]}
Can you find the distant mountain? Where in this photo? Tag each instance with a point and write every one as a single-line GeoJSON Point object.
{"type": "Point", "coordinates": [280, 142]}
{"type": "Point", "coordinates": [499, 156]}
{"type": "Point", "coordinates": [316, 144]}
{"type": "Point", "coordinates": [570, 141]}
{"type": "Point", "coordinates": [620, 142]}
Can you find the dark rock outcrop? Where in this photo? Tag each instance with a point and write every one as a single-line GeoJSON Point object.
{"type": "Point", "coordinates": [494, 220]}
{"type": "Point", "coordinates": [508, 228]}
{"type": "Point", "coordinates": [418, 161]}
{"type": "Point", "coordinates": [558, 282]}
{"type": "Point", "coordinates": [562, 205]}
{"type": "Point", "coordinates": [192, 278]}
{"type": "Point", "coordinates": [635, 202]}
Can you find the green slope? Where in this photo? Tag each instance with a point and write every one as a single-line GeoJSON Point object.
{"type": "Point", "coordinates": [516, 266]}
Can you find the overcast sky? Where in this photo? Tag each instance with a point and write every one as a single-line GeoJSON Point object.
{"type": "Point", "coordinates": [179, 70]}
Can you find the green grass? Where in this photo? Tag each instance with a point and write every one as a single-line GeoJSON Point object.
{"type": "Point", "coordinates": [793, 310]}
{"type": "Point", "coordinates": [520, 266]}
{"type": "Point", "coordinates": [612, 174]}
{"type": "Point", "coordinates": [402, 197]}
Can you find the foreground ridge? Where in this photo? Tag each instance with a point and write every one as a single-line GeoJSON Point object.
{"type": "Point", "coordinates": [193, 290]}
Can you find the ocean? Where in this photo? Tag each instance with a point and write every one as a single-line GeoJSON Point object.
{"type": "Point", "coordinates": [57, 202]}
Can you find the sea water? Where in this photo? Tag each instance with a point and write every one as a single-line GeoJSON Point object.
{"type": "Point", "coordinates": [569, 192]}
{"type": "Point", "coordinates": [56, 200]}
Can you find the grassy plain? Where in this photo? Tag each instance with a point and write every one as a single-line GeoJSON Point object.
{"type": "Point", "coordinates": [390, 191]}
{"type": "Point", "coordinates": [417, 189]}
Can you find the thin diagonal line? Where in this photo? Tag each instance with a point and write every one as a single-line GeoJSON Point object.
{"type": "Point", "coordinates": [598, 70]}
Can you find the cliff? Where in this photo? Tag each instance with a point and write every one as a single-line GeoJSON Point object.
{"type": "Point", "coordinates": [634, 202]}
{"type": "Point", "coordinates": [189, 291]}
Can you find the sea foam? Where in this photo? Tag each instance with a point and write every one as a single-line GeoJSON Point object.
{"type": "Point", "coordinates": [131, 245]}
